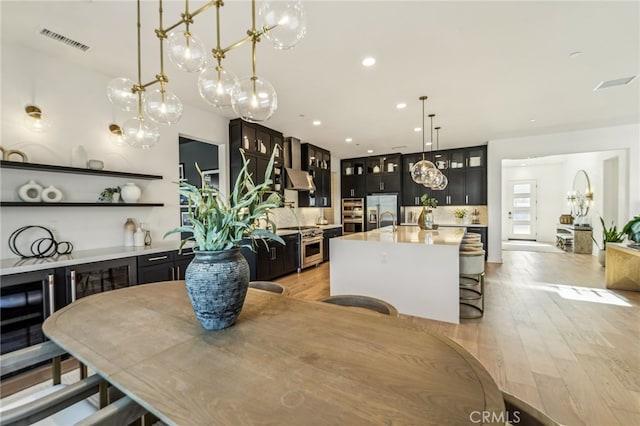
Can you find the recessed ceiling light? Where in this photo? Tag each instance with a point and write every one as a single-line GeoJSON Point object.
{"type": "Point", "coordinates": [369, 151]}
{"type": "Point", "coordinates": [417, 129]}
{"type": "Point", "coordinates": [348, 140]}
{"type": "Point", "coordinates": [574, 54]}
{"type": "Point", "coordinates": [533, 120]}
{"type": "Point", "coordinates": [317, 122]}
{"type": "Point", "coordinates": [612, 83]}
{"type": "Point", "coordinates": [401, 105]}
{"type": "Point", "coordinates": [368, 62]}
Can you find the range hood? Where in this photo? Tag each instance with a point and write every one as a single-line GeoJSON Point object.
{"type": "Point", "coordinates": [299, 180]}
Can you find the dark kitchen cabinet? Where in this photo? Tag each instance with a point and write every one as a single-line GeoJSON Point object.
{"type": "Point", "coordinates": [258, 143]}
{"type": "Point", "coordinates": [352, 177]}
{"type": "Point", "coordinates": [466, 171]}
{"type": "Point", "coordinates": [317, 162]}
{"type": "Point", "coordinates": [90, 278]}
{"type": "Point", "coordinates": [165, 266]}
{"type": "Point", "coordinates": [327, 235]}
{"type": "Point", "coordinates": [483, 231]}
{"type": "Point", "coordinates": [383, 173]}
{"type": "Point", "coordinates": [412, 191]}
{"type": "Point", "coordinates": [476, 175]}
{"type": "Point", "coordinates": [274, 259]}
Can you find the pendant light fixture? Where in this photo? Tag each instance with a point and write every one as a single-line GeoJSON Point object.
{"type": "Point", "coordinates": [442, 181]}
{"type": "Point", "coordinates": [252, 98]}
{"type": "Point", "coordinates": [424, 171]}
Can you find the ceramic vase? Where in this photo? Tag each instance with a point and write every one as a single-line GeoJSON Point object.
{"type": "Point", "coordinates": [217, 283]}
{"type": "Point", "coordinates": [425, 220]}
{"type": "Point", "coordinates": [130, 193]}
{"type": "Point", "coordinates": [30, 192]}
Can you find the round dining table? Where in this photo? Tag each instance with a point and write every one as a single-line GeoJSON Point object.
{"type": "Point", "coordinates": [286, 361]}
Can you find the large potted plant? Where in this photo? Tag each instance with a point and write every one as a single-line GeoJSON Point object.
{"type": "Point", "coordinates": [218, 277]}
{"type": "Point", "coordinates": [632, 230]}
{"type": "Point", "coordinates": [425, 220]}
{"type": "Point", "coordinates": [609, 235]}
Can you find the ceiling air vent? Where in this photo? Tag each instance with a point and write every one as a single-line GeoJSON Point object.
{"type": "Point", "coordinates": [613, 83]}
{"type": "Point", "coordinates": [66, 40]}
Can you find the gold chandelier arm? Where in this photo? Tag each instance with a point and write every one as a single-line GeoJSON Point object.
{"type": "Point", "coordinates": [162, 35]}
{"type": "Point", "coordinates": [187, 18]}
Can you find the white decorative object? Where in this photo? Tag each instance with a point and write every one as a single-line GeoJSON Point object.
{"type": "Point", "coordinates": [129, 227]}
{"type": "Point", "coordinates": [30, 192]}
{"type": "Point", "coordinates": [95, 164]}
{"type": "Point", "coordinates": [130, 193]}
{"type": "Point", "coordinates": [79, 156]}
{"type": "Point", "coordinates": [51, 194]}
{"type": "Point", "coordinates": [138, 238]}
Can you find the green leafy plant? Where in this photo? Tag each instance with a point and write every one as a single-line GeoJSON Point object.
{"type": "Point", "coordinates": [219, 223]}
{"type": "Point", "coordinates": [106, 196]}
{"type": "Point", "coordinates": [460, 213]}
{"type": "Point", "coordinates": [609, 235]}
{"type": "Point", "coordinates": [632, 229]}
{"type": "Point", "coordinates": [428, 202]}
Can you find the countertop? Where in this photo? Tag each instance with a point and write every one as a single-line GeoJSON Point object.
{"type": "Point", "coordinates": [410, 234]}
{"type": "Point", "coordinates": [15, 265]}
{"type": "Point", "coordinates": [448, 225]}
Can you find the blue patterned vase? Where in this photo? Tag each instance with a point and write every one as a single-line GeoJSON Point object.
{"type": "Point", "coordinates": [217, 283]}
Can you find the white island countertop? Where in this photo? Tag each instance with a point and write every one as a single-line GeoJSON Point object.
{"type": "Point", "coordinates": [410, 235]}
{"type": "Point", "coordinates": [415, 270]}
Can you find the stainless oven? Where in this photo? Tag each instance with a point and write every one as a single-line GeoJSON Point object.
{"type": "Point", "coordinates": [311, 250]}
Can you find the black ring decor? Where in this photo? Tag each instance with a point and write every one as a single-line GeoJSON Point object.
{"type": "Point", "coordinates": [40, 247]}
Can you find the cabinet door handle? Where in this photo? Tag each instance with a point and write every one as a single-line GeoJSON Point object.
{"type": "Point", "coordinates": [153, 259]}
{"type": "Point", "coordinates": [173, 274]}
{"type": "Point", "coordinates": [353, 191]}
{"type": "Point", "coordinates": [273, 253]}
{"type": "Point", "coordinates": [466, 199]}
{"type": "Point", "coordinates": [73, 285]}
{"type": "Point", "coordinates": [51, 284]}
{"type": "Point", "coordinates": [177, 273]}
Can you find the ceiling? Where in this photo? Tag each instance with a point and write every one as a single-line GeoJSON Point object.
{"type": "Point", "coordinates": [491, 70]}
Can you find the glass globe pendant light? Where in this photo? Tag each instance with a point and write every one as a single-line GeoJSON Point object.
{"type": "Point", "coordinates": [140, 133]}
{"type": "Point", "coordinates": [442, 181]}
{"type": "Point", "coordinates": [424, 171]}
{"type": "Point", "coordinates": [254, 99]}
{"type": "Point", "coordinates": [285, 22]}
{"type": "Point", "coordinates": [162, 106]}
{"type": "Point", "coordinates": [120, 94]}
{"type": "Point", "coordinates": [215, 85]}
{"type": "Point", "coordinates": [186, 51]}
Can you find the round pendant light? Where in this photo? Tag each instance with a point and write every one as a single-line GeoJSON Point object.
{"type": "Point", "coordinates": [424, 171]}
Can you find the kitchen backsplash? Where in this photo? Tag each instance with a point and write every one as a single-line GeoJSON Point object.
{"type": "Point", "coordinates": [444, 214]}
{"type": "Point", "coordinates": [299, 216]}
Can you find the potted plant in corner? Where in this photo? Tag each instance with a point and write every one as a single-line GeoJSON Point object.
{"type": "Point", "coordinates": [425, 220]}
{"type": "Point", "coordinates": [218, 277]}
{"type": "Point", "coordinates": [609, 235]}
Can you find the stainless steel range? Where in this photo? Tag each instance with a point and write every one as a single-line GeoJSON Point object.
{"type": "Point", "coordinates": [311, 242]}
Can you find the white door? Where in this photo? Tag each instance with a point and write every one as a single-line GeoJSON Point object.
{"type": "Point", "coordinates": [522, 210]}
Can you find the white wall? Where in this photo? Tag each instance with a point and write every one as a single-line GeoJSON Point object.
{"type": "Point", "coordinates": [76, 101]}
{"type": "Point", "coordinates": [625, 138]}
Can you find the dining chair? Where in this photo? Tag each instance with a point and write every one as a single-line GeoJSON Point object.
{"type": "Point", "coordinates": [366, 302]}
{"type": "Point", "coordinates": [62, 404]}
{"type": "Point", "coordinates": [523, 414]}
{"type": "Point", "coordinates": [471, 270]}
{"type": "Point", "coordinates": [270, 286]}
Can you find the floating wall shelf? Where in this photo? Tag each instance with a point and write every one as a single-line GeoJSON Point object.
{"type": "Point", "coordinates": [74, 170]}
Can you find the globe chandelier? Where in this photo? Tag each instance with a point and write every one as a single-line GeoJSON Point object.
{"type": "Point", "coordinates": [424, 171]}
{"type": "Point", "coordinates": [252, 97]}
{"type": "Point", "coordinates": [441, 182]}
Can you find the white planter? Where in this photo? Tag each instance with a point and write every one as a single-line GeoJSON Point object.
{"type": "Point", "coordinates": [130, 193]}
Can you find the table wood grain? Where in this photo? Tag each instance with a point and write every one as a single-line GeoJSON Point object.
{"type": "Point", "coordinates": [285, 362]}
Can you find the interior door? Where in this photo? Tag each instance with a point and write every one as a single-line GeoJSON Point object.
{"type": "Point", "coordinates": [522, 210]}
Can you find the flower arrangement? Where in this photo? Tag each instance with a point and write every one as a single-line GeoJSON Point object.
{"type": "Point", "coordinates": [460, 213]}
{"type": "Point", "coordinates": [428, 202]}
{"type": "Point", "coordinates": [218, 223]}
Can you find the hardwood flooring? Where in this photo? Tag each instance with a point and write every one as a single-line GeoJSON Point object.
{"type": "Point", "coordinates": [551, 334]}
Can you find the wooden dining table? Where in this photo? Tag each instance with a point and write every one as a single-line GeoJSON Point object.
{"type": "Point", "coordinates": [286, 361]}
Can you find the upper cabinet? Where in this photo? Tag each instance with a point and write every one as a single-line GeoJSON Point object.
{"type": "Point", "coordinates": [383, 173]}
{"type": "Point", "coordinates": [352, 178]}
{"type": "Point", "coordinates": [317, 162]}
{"type": "Point", "coordinates": [258, 143]}
{"type": "Point", "coordinates": [465, 168]}
{"type": "Point", "coordinates": [412, 191]}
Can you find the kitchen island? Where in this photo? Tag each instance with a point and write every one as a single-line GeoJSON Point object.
{"type": "Point", "coordinates": [415, 270]}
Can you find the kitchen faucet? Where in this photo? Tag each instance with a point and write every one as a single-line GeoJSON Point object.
{"type": "Point", "coordinates": [394, 228]}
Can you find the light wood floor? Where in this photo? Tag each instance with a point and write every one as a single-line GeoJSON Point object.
{"type": "Point", "coordinates": [551, 334]}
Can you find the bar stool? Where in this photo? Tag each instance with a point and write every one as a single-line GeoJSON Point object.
{"type": "Point", "coordinates": [366, 302]}
{"type": "Point", "coordinates": [269, 286]}
{"type": "Point", "coordinates": [471, 263]}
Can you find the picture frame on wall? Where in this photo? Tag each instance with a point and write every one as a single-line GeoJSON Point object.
{"type": "Point", "coordinates": [211, 177]}
{"type": "Point", "coordinates": [184, 218]}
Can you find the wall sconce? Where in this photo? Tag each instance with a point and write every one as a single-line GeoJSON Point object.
{"type": "Point", "coordinates": [35, 120]}
{"type": "Point", "coordinates": [115, 134]}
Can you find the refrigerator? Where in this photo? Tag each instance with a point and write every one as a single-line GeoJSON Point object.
{"type": "Point", "coordinates": [376, 205]}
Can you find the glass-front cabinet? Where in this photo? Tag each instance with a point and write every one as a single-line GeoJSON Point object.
{"type": "Point", "coordinates": [90, 278]}
{"type": "Point", "coordinates": [353, 178]}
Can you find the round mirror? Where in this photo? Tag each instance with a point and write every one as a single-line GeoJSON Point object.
{"type": "Point", "coordinates": [581, 195]}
